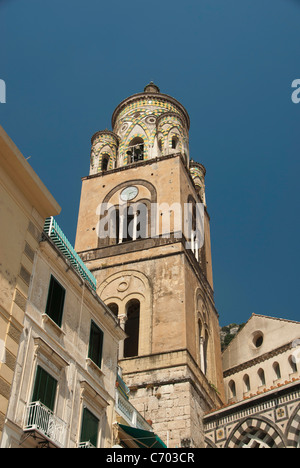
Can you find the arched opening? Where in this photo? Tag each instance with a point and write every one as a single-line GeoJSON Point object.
{"type": "Point", "coordinates": [246, 380]}
{"type": "Point", "coordinates": [232, 389]}
{"type": "Point", "coordinates": [128, 226]}
{"type": "Point", "coordinates": [134, 222]}
{"type": "Point", "coordinates": [205, 351]}
{"type": "Point", "coordinates": [256, 438]}
{"type": "Point", "coordinates": [105, 161]}
{"type": "Point", "coordinates": [160, 145]}
{"type": "Point", "coordinates": [293, 364]}
{"type": "Point", "coordinates": [174, 142]}
{"type": "Point", "coordinates": [109, 227]}
{"type": "Point", "coordinates": [261, 375]}
{"type": "Point", "coordinates": [135, 151]}
{"type": "Point", "coordinates": [131, 344]}
{"type": "Point", "coordinates": [201, 351]}
{"type": "Point", "coordinates": [255, 433]}
{"type": "Point", "coordinates": [142, 222]}
{"type": "Point", "coordinates": [277, 372]}
{"type": "Point", "coordinates": [114, 308]}
{"type": "Point", "coordinates": [203, 346]}
{"type": "Point", "coordinates": [191, 227]}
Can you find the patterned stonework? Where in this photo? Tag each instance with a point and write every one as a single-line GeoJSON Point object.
{"type": "Point", "coordinates": [155, 120]}
{"type": "Point", "coordinates": [271, 421]}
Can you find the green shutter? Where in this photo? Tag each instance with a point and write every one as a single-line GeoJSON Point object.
{"type": "Point", "coordinates": [44, 388]}
{"type": "Point", "coordinates": [55, 301]}
{"type": "Point", "coordinates": [89, 428]}
{"type": "Point", "coordinates": [96, 344]}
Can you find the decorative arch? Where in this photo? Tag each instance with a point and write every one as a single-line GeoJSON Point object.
{"type": "Point", "coordinates": [105, 162]}
{"type": "Point", "coordinates": [128, 286]}
{"type": "Point", "coordinates": [136, 149]}
{"type": "Point", "coordinates": [175, 133]}
{"type": "Point", "coordinates": [111, 210]}
{"type": "Point", "coordinates": [293, 429]}
{"type": "Point", "coordinates": [203, 332]}
{"type": "Point", "coordinates": [202, 307]}
{"type": "Point", "coordinates": [136, 129]}
{"type": "Point", "coordinates": [231, 389]}
{"type": "Point", "coordinates": [255, 433]}
{"type": "Point", "coordinates": [209, 443]}
{"type": "Point", "coordinates": [113, 306]}
{"type": "Point", "coordinates": [144, 182]}
{"type": "Point", "coordinates": [101, 150]}
{"type": "Point", "coordinates": [247, 383]}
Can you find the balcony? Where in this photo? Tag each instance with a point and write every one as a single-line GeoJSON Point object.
{"type": "Point", "coordinates": [128, 412]}
{"type": "Point", "coordinates": [40, 419]}
{"type": "Point", "coordinates": [86, 445]}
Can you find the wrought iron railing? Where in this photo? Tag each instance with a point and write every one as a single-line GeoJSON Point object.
{"type": "Point", "coordinates": [52, 229]}
{"type": "Point", "coordinates": [41, 419]}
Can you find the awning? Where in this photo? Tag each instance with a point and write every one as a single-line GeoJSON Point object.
{"type": "Point", "coordinates": [144, 439]}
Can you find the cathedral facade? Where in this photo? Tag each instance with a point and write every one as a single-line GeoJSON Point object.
{"type": "Point", "coordinates": [143, 231]}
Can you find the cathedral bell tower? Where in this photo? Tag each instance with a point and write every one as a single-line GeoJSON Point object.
{"type": "Point", "coordinates": [143, 230]}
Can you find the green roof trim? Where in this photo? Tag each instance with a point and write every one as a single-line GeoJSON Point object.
{"type": "Point", "coordinates": [52, 229]}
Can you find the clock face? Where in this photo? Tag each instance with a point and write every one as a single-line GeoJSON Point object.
{"type": "Point", "coordinates": [129, 193]}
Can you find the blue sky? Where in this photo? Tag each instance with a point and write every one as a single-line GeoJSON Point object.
{"type": "Point", "coordinates": [67, 64]}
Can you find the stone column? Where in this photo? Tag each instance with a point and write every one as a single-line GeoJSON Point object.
{"type": "Point", "coordinates": [123, 319]}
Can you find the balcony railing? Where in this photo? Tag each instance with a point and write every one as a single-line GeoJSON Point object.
{"type": "Point", "coordinates": [86, 445]}
{"type": "Point", "coordinates": [128, 412]}
{"type": "Point", "coordinates": [41, 419]}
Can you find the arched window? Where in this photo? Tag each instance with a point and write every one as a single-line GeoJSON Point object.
{"type": "Point", "coordinates": [135, 151]}
{"type": "Point", "coordinates": [131, 344]}
{"type": "Point", "coordinates": [203, 346]}
{"type": "Point", "coordinates": [175, 142]}
{"type": "Point", "coordinates": [246, 380]}
{"type": "Point", "coordinates": [114, 308]}
{"type": "Point", "coordinates": [134, 222]}
{"type": "Point", "coordinates": [232, 389]}
{"type": "Point", "coordinates": [142, 213]}
{"type": "Point", "coordinates": [192, 227]}
{"type": "Point", "coordinates": [276, 368]}
{"type": "Point", "coordinates": [205, 350]}
{"type": "Point", "coordinates": [128, 226]}
{"type": "Point", "coordinates": [109, 229]}
{"type": "Point", "coordinates": [105, 161]}
{"type": "Point", "coordinates": [261, 375]}
{"type": "Point", "coordinates": [293, 364]}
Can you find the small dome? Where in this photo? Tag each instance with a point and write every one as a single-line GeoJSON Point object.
{"type": "Point", "coordinates": [151, 88]}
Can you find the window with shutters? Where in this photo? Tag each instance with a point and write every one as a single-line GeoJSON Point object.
{"type": "Point", "coordinates": [96, 344]}
{"type": "Point", "coordinates": [89, 429]}
{"type": "Point", "coordinates": [44, 388]}
{"type": "Point", "coordinates": [55, 301]}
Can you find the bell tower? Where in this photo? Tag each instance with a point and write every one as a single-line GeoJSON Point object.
{"type": "Point", "coordinates": [143, 230]}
